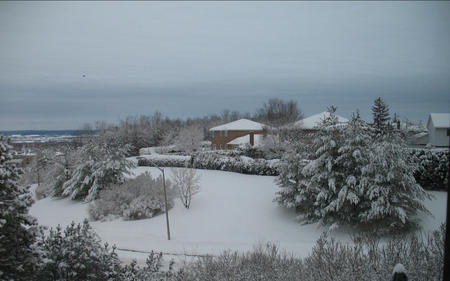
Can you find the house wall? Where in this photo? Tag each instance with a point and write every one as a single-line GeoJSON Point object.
{"type": "Point", "coordinates": [420, 141]}
{"type": "Point", "coordinates": [219, 140]}
{"type": "Point", "coordinates": [438, 136]}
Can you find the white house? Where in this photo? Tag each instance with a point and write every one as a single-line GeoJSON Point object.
{"type": "Point", "coordinates": [312, 122]}
{"type": "Point", "coordinates": [437, 125]}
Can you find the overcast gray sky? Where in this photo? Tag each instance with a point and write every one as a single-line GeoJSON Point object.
{"type": "Point", "coordinates": [188, 59]}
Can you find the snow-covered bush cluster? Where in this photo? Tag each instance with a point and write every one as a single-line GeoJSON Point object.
{"type": "Point", "coordinates": [151, 271]}
{"type": "Point", "coordinates": [355, 175]}
{"type": "Point", "coordinates": [432, 171]}
{"type": "Point", "coordinates": [138, 198]}
{"type": "Point", "coordinates": [99, 165]}
{"type": "Point", "coordinates": [367, 259]}
{"type": "Point", "coordinates": [76, 254]}
{"type": "Point", "coordinates": [265, 262]}
{"type": "Point", "coordinates": [239, 164]}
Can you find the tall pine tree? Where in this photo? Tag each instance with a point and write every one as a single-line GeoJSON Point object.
{"type": "Point", "coordinates": [323, 175]}
{"type": "Point", "coordinates": [18, 230]}
{"type": "Point", "coordinates": [381, 118]}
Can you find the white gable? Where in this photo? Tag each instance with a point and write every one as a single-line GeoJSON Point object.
{"type": "Point", "coordinates": [440, 120]}
{"type": "Point", "coordinates": [315, 120]}
{"type": "Point", "coordinates": [240, 125]}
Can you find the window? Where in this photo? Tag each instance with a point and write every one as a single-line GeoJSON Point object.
{"type": "Point", "coordinates": [220, 133]}
{"type": "Point", "coordinates": [226, 133]}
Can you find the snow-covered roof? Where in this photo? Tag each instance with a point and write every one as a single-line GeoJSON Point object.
{"type": "Point", "coordinates": [313, 121]}
{"type": "Point", "coordinates": [246, 140]}
{"type": "Point", "coordinates": [240, 125]}
{"type": "Point", "coordinates": [440, 120]}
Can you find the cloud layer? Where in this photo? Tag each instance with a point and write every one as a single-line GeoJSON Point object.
{"type": "Point", "coordinates": [66, 63]}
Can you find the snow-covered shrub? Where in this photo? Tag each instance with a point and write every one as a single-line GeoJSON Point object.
{"type": "Point", "coordinates": [151, 271]}
{"type": "Point", "coordinates": [369, 259]}
{"type": "Point", "coordinates": [366, 259]}
{"type": "Point", "coordinates": [18, 230]}
{"type": "Point", "coordinates": [100, 166]}
{"type": "Point", "coordinates": [143, 207]}
{"type": "Point", "coordinates": [347, 179]}
{"type": "Point", "coordinates": [138, 198]}
{"type": "Point", "coordinates": [432, 171]}
{"type": "Point", "coordinates": [77, 254]}
{"type": "Point", "coordinates": [186, 181]}
{"type": "Point", "coordinates": [263, 263]}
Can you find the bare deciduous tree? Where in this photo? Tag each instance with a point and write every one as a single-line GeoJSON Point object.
{"type": "Point", "coordinates": [277, 112]}
{"type": "Point", "coordinates": [189, 138]}
{"type": "Point", "coordinates": [187, 182]}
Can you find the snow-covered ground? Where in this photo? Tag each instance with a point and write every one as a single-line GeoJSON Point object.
{"type": "Point", "coordinates": [232, 211]}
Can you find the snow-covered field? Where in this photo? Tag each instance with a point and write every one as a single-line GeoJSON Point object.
{"type": "Point", "coordinates": [232, 211]}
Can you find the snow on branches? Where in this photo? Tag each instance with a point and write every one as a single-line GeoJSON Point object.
{"type": "Point", "coordinates": [18, 230]}
{"type": "Point", "coordinates": [100, 165]}
{"type": "Point", "coordinates": [347, 178]}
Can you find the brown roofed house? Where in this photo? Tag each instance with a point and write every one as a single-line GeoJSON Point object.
{"type": "Point", "coordinates": [239, 132]}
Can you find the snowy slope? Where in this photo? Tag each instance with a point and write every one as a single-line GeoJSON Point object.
{"type": "Point", "coordinates": [232, 211]}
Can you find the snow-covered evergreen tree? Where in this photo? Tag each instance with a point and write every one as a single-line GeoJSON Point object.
{"type": "Point", "coordinates": [101, 165]}
{"type": "Point", "coordinates": [353, 155]}
{"type": "Point", "coordinates": [61, 171]}
{"type": "Point", "coordinates": [18, 230]}
{"type": "Point", "coordinates": [291, 179]}
{"type": "Point", "coordinates": [352, 180]}
{"type": "Point", "coordinates": [392, 196]}
{"type": "Point", "coordinates": [323, 176]}
{"type": "Point", "coordinates": [381, 119]}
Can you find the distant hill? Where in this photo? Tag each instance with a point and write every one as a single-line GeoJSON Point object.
{"type": "Point", "coordinates": [43, 132]}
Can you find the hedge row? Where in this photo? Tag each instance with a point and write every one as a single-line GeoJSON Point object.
{"type": "Point", "coordinates": [163, 161]}
{"type": "Point", "coordinates": [215, 161]}
{"type": "Point", "coordinates": [433, 168]}
{"type": "Point", "coordinates": [239, 164]}
{"type": "Point", "coordinates": [432, 174]}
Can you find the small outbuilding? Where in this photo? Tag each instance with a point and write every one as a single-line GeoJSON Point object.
{"type": "Point", "coordinates": [438, 124]}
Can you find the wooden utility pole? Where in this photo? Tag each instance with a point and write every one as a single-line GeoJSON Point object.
{"type": "Point", "coordinates": [165, 202]}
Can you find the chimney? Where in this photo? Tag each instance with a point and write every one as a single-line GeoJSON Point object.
{"type": "Point", "coordinates": [252, 138]}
